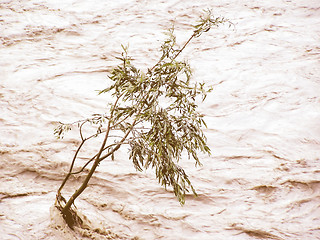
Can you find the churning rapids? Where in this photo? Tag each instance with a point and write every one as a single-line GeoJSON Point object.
{"type": "Point", "coordinates": [263, 179]}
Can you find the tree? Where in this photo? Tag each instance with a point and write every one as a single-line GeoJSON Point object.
{"type": "Point", "coordinates": [154, 113]}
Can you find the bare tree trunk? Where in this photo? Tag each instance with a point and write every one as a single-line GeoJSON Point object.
{"type": "Point", "coordinates": [68, 214]}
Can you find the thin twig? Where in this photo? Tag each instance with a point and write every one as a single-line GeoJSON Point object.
{"type": "Point", "coordinates": [87, 163]}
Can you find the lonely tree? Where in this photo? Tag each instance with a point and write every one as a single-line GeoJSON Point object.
{"type": "Point", "coordinates": [154, 113]}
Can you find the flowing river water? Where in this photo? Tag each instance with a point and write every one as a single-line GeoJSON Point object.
{"type": "Point", "coordinates": [263, 178]}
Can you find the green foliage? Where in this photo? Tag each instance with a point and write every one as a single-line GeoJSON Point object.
{"type": "Point", "coordinates": [162, 106]}
{"type": "Point", "coordinates": [207, 21]}
{"type": "Point", "coordinates": [154, 113]}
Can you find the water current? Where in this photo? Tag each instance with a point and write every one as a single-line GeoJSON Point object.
{"type": "Point", "coordinates": [263, 178]}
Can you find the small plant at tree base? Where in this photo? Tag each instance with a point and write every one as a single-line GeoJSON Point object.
{"type": "Point", "coordinates": [154, 113]}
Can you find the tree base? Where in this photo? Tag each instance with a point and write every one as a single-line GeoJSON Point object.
{"type": "Point", "coordinates": [69, 215]}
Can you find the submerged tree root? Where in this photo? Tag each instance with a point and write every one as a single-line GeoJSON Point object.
{"type": "Point", "coordinates": [79, 225]}
{"type": "Point", "coordinates": [71, 217]}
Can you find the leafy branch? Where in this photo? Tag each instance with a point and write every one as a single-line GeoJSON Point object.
{"type": "Point", "coordinates": [154, 113]}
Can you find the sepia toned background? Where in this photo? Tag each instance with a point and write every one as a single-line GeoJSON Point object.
{"type": "Point", "coordinates": [263, 178]}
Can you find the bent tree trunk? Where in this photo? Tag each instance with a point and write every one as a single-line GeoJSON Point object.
{"type": "Point", "coordinates": [69, 214]}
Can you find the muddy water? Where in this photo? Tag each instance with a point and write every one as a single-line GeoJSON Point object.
{"type": "Point", "coordinates": [263, 179]}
